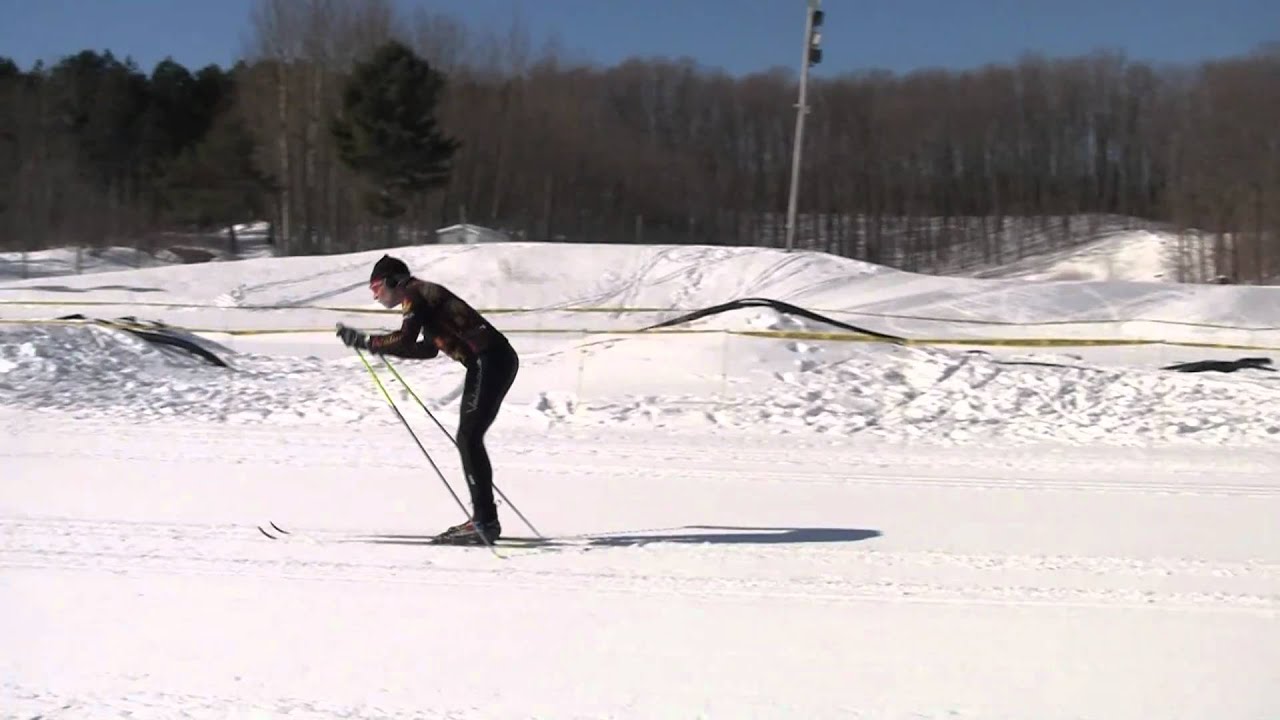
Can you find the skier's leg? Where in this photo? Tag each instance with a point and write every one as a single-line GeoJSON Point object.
{"type": "Point", "coordinates": [486, 385]}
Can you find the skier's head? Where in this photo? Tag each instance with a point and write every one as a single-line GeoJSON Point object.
{"type": "Point", "coordinates": [387, 280]}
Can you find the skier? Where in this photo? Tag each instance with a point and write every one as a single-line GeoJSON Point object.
{"type": "Point", "coordinates": [449, 325]}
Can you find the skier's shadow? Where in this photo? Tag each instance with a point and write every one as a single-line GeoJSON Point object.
{"type": "Point", "coordinates": [687, 535]}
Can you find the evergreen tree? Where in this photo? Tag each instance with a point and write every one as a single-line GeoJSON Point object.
{"type": "Point", "coordinates": [387, 131]}
{"type": "Point", "coordinates": [215, 183]}
{"type": "Point", "coordinates": [102, 103]}
{"type": "Point", "coordinates": [171, 123]}
{"type": "Point", "coordinates": [10, 77]}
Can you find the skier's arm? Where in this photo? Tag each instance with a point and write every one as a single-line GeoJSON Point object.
{"type": "Point", "coordinates": [404, 342]}
{"type": "Point", "coordinates": [422, 350]}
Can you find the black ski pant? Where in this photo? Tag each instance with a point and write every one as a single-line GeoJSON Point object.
{"type": "Point", "coordinates": [489, 377]}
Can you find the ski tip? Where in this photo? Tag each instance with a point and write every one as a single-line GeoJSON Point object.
{"type": "Point", "coordinates": [279, 529]}
{"type": "Point", "coordinates": [267, 534]}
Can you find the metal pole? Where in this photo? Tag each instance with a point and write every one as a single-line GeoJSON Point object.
{"type": "Point", "coordinates": [392, 403]}
{"type": "Point", "coordinates": [431, 415]}
{"type": "Point", "coordinates": [801, 110]}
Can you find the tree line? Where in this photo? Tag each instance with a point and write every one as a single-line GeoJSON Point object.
{"type": "Point", "coordinates": [351, 125]}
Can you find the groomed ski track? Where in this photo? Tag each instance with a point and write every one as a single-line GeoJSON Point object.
{"type": "Point", "coordinates": [1061, 572]}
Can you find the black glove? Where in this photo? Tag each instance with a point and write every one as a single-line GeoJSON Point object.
{"type": "Point", "coordinates": [353, 338]}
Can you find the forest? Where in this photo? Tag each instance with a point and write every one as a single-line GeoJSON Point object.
{"type": "Point", "coordinates": [349, 126]}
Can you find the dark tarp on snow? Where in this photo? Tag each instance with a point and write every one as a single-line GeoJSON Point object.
{"type": "Point", "coordinates": [778, 305]}
{"type": "Point", "coordinates": [160, 334]}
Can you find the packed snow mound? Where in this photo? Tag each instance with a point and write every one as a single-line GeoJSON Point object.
{"type": "Point", "coordinates": [548, 278]}
{"type": "Point", "coordinates": [577, 369]}
{"type": "Point", "coordinates": [92, 371]}
{"type": "Point", "coordinates": [534, 276]}
{"type": "Point", "coordinates": [1130, 255]}
{"type": "Point", "coordinates": [918, 394]}
{"type": "Point", "coordinates": [754, 386]}
{"type": "Point", "coordinates": [171, 249]}
{"type": "Point", "coordinates": [72, 262]}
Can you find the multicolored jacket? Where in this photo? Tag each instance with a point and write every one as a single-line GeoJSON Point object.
{"type": "Point", "coordinates": [446, 323]}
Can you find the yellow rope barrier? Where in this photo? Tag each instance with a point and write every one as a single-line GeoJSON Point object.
{"type": "Point", "coordinates": [776, 334]}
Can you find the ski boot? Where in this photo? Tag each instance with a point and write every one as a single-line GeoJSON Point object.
{"type": "Point", "coordinates": [470, 533]}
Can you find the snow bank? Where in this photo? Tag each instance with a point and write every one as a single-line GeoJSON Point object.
{"type": "Point", "coordinates": [713, 382]}
{"type": "Point", "coordinates": [1123, 255]}
{"type": "Point", "coordinates": [707, 383]}
{"type": "Point", "coordinates": [172, 249]}
{"type": "Point", "coordinates": [90, 371]}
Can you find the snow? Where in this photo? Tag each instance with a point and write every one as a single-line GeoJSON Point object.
{"type": "Point", "coordinates": [1133, 255]}
{"type": "Point", "coordinates": [744, 525]}
{"type": "Point", "coordinates": [169, 249]}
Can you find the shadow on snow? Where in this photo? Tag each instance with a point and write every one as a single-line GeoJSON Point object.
{"type": "Point", "coordinates": [688, 535]}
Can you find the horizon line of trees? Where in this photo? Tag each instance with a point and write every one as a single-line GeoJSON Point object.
{"type": "Point", "coordinates": [354, 125]}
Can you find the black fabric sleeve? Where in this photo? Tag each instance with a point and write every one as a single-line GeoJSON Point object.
{"type": "Point", "coordinates": [404, 342]}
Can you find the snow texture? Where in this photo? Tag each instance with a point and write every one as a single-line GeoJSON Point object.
{"type": "Point", "coordinates": [740, 525]}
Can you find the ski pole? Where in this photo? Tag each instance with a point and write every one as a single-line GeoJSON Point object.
{"type": "Point", "coordinates": [387, 396]}
{"type": "Point", "coordinates": [423, 405]}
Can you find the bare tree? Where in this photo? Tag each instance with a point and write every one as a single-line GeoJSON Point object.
{"type": "Point", "coordinates": [932, 170]}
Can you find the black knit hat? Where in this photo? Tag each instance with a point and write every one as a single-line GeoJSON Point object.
{"type": "Point", "coordinates": [390, 270]}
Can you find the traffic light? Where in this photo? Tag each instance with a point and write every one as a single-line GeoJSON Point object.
{"type": "Point", "coordinates": [815, 37]}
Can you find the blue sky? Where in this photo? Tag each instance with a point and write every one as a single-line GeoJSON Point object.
{"type": "Point", "coordinates": [736, 35]}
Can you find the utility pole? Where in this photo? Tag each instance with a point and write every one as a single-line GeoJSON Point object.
{"type": "Point", "coordinates": [812, 56]}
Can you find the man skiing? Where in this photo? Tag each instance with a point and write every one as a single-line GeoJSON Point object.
{"type": "Point", "coordinates": [448, 324]}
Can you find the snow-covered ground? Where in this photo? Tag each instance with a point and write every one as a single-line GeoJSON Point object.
{"type": "Point", "coordinates": [742, 524]}
{"type": "Point", "coordinates": [1082, 246]}
{"type": "Point", "coordinates": [251, 241]}
{"type": "Point", "coordinates": [1139, 255]}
